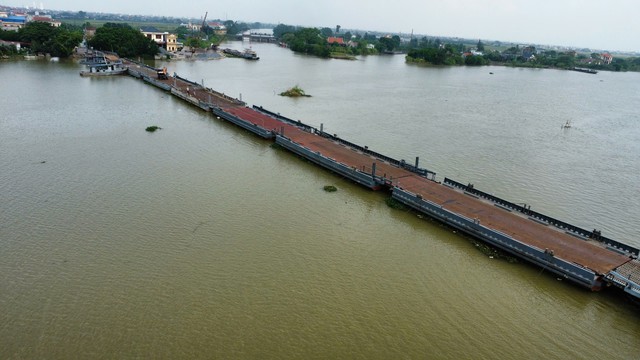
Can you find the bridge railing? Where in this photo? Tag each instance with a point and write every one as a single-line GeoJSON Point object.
{"type": "Point", "coordinates": [217, 93]}
{"type": "Point", "coordinates": [595, 235]}
{"type": "Point", "coordinates": [365, 150]}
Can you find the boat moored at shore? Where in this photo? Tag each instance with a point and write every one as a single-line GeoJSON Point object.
{"type": "Point", "coordinates": [101, 63]}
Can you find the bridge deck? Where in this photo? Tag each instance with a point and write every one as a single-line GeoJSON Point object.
{"type": "Point", "coordinates": [569, 248]}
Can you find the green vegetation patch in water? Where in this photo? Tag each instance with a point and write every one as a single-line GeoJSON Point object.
{"type": "Point", "coordinates": [395, 204]}
{"type": "Point", "coordinates": [330, 188]}
{"type": "Point", "coordinates": [295, 91]}
{"type": "Point", "coordinates": [153, 128]}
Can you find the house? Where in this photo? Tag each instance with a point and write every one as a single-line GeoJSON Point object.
{"type": "Point", "coordinates": [607, 58]}
{"type": "Point", "coordinates": [89, 32]}
{"type": "Point", "coordinates": [11, 43]}
{"type": "Point", "coordinates": [13, 23]}
{"type": "Point", "coordinates": [218, 28]}
{"type": "Point", "coordinates": [528, 53]}
{"type": "Point", "coordinates": [335, 40]}
{"type": "Point", "coordinates": [159, 37]}
{"type": "Point", "coordinates": [172, 43]}
{"type": "Point", "coordinates": [46, 19]}
{"type": "Point", "coordinates": [192, 27]}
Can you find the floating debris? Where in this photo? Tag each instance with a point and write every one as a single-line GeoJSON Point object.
{"type": "Point", "coordinates": [153, 128]}
{"type": "Point", "coordinates": [330, 188]}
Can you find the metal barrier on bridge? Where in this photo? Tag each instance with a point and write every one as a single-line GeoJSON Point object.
{"type": "Point", "coordinates": [595, 235]}
{"type": "Point", "coordinates": [365, 150]}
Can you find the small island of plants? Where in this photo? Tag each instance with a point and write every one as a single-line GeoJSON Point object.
{"type": "Point", "coordinates": [152, 128]}
{"type": "Point", "coordinates": [295, 91]}
{"type": "Point", "coordinates": [330, 188]}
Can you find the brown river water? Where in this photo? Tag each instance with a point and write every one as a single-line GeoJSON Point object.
{"type": "Point", "coordinates": [202, 241]}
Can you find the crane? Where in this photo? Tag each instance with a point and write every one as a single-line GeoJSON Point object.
{"type": "Point", "coordinates": [204, 20]}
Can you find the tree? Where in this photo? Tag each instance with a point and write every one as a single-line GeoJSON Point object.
{"type": "Point", "coordinates": [326, 32]}
{"type": "Point", "coordinates": [181, 32]}
{"type": "Point", "coordinates": [475, 60]}
{"type": "Point", "coordinates": [396, 41]}
{"type": "Point", "coordinates": [195, 42]}
{"type": "Point", "coordinates": [281, 29]}
{"type": "Point", "coordinates": [9, 35]}
{"type": "Point", "coordinates": [44, 38]}
{"type": "Point", "coordinates": [124, 40]}
{"type": "Point", "coordinates": [234, 27]}
{"type": "Point", "coordinates": [309, 41]}
{"type": "Point", "coordinates": [480, 46]}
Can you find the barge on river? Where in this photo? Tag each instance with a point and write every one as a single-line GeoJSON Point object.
{"type": "Point", "coordinates": [584, 257]}
{"type": "Point", "coordinates": [246, 54]}
{"type": "Point", "coordinates": [102, 63]}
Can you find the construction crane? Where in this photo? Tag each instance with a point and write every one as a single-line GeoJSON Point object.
{"type": "Point", "coordinates": [204, 20]}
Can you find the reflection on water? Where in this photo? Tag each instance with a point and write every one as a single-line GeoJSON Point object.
{"type": "Point", "coordinates": [202, 241]}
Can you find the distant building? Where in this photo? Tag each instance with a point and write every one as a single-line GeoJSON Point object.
{"type": "Point", "coordinates": [335, 40]}
{"type": "Point", "coordinates": [163, 39]}
{"type": "Point", "coordinates": [172, 43]}
{"type": "Point", "coordinates": [89, 32]}
{"type": "Point", "coordinates": [46, 19]}
{"type": "Point", "coordinates": [11, 43]}
{"type": "Point", "coordinates": [218, 28]}
{"type": "Point", "coordinates": [528, 53]}
{"type": "Point", "coordinates": [192, 27]}
{"type": "Point", "coordinates": [607, 58]}
{"type": "Point", "coordinates": [13, 23]}
{"type": "Point", "coordinates": [159, 37]}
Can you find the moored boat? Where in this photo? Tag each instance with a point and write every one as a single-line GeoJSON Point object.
{"type": "Point", "coordinates": [102, 64]}
{"type": "Point", "coordinates": [246, 54]}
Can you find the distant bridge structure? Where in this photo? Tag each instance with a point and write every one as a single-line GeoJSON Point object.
{"type": "Point", "coordinates": [257, 37]}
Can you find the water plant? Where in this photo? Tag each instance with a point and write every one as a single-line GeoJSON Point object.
{"type": "Point", "coordinates": [395, 204]}
{"type": "Point", "coordinates": [295, 91]}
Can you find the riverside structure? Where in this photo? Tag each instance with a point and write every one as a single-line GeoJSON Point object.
{"type": "Point", "coordinates": [584, 257]}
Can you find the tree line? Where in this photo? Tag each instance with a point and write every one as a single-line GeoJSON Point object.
{"type": "Point", "coordinates": [124, 40]}
{"type": "Point", "coordinates": [43, 38]}
{"type": "Point", "coordinates": [314, 41]}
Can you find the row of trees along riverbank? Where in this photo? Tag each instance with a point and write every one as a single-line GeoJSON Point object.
{"type": "Point", "coordinates": [314, 41]}
{"type": "Point", "coordinates": [43, 38]}
{"type": "Point", "coordinates": [433, 52]}
{"type": "Point", "coordinates": [40, 37]}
